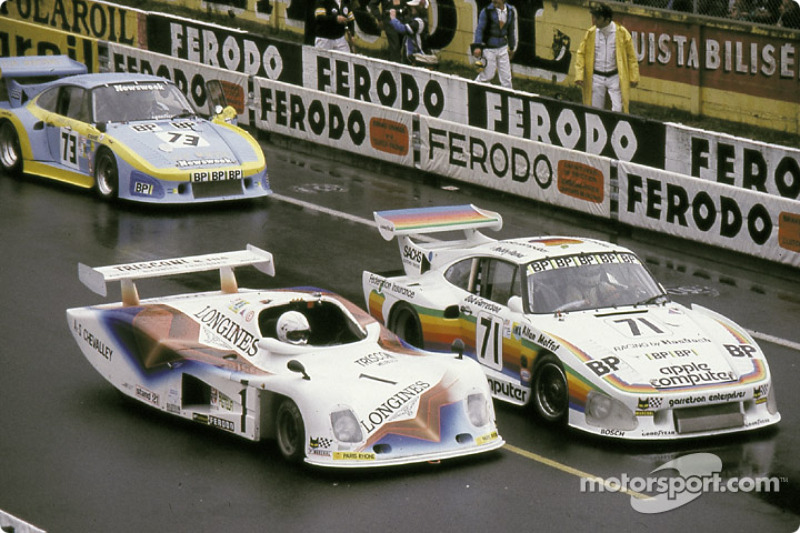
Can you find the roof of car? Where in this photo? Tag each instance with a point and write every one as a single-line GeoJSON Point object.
{"type": "Point", "coordinates": [527, 249]}
{"type": "Point", "coordinates": [89, 81]}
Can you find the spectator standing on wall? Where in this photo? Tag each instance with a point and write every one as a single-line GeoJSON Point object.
{"type": "Point", "coordinates": [495, 42]}
{"type": "Point", "coordinates": [334, 25]}
{"type": "Point", "coordinates": [789, 15]}
{"type": "Point", "coordinates": [380, 10]}
{"type": "Point", "coordinates": [414, 29]}
{"type": "Point", "coordinates": [606, 62]}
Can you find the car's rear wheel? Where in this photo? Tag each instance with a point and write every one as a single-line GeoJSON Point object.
{"type": "Point", "coordinates": [10, 151]}
{"type": "Point", "coordinates": [550, 390]}
{"type": "Point", "coordinates": [106, 175]}
{"type": "Point", "coordinates": [404, 322]}
{"type": "Point", "coordinates": [291, 433]}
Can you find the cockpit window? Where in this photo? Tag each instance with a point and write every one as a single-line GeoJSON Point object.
{"type": "Point", "coordinates": [329, 323]}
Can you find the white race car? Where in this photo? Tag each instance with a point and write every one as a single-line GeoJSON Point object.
{"type": "Point", "coordinates": [577, 327]}
{"type": "Point", "coordinates": [304, 366]}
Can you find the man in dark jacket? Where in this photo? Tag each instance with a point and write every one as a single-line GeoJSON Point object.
{"type": "Point", "coordinates": [495, 41]}
{"type": "Point", "coordinates": [334, 25]}
{"type": "Point", "coordinates": [380, 9]}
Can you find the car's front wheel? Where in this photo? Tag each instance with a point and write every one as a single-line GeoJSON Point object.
{"type": "Point", "coordinates": [10, 151]}
{"type": "Point", "coordinates": [106, 175]}
{"type": "Point", "coordinates": [291, 434]}
{"type": "Point", "coordinates": [550, 391]}
{"type": "Point", "coordinates": [404, 322]}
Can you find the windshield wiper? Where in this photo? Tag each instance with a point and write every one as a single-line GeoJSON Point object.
{"type": "Point", "coordinates": [653, 299]}
{"type": "Point", "coordinates": [183, 114]}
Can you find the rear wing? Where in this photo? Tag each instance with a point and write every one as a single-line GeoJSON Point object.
{"type": "Point", "coordinates": [422, 220]}
{"type": "Point", "coordinates": [20, 75]}
{"type": "Point", "coordinates": [408, 223]}
{"type": "Point", "coordinates": [96, 278]}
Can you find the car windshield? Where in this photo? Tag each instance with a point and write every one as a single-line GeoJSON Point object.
{"type": "Point", "coordinates": [590, 281]}
{"type": "Point", "coordinates": [135, 101]}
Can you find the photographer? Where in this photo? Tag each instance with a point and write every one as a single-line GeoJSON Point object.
{"type": "Point", "coordinates": [411, 23]}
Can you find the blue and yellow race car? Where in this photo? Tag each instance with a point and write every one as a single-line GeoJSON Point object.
{"type": "Point", "coordinates": [128, 136]}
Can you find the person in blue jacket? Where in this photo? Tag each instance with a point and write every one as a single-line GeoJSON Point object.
{"type": "Point", "coordinates": [414, 29]}
{"type": "Point", "coordinates": [496, 38]}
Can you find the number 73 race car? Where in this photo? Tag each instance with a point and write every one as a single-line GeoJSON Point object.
{"type": "Point", "coordinates": [577, 327]}
{"type": "Point", "coordinates": [302, 366]}
{"type": "Point", "coordinates": [130, 136]}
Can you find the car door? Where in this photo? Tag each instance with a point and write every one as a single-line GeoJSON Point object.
{"type": "Point", "coordinates": [65, 126]}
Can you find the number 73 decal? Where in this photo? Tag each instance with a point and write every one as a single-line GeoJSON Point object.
{"type": "Point", "coordinates": [180, 139]}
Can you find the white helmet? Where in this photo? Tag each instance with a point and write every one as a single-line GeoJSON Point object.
{"type": "Point", "coordinates": [293, 328]}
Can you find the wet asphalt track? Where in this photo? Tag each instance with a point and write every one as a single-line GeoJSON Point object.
{"type": "Point", "coordinates": [76, 456]}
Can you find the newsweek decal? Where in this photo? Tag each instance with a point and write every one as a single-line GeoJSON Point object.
{"type": "Point", "coordinates": [729, 217]}
{"type": "Point", "coordinates": [321, 118]}
{"type": "Point", "coordinates": [191, 78]}
{"type": "Point", "coordinates": [517, 166]}
{"type": "Point", "coordinates": [573, 126]}
{"type": "Point", "coordinates": [23, 39]}
{"type": "Point", "coordinates": [220, 47]}
{"type": "Point", "coordinates": [100, 20]}
{"type": "Point", "coordinates": [384, 83]}
{"type": "Point", "coordinates": [734, 161]}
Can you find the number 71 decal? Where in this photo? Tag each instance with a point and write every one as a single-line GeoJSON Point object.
{"type": "Point", "coordinates": [637, 327]}
{"type": "Point", "coordinates": [489, 341]}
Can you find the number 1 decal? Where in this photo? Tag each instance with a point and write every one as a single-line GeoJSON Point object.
{"type": "Point", "coordinates": [489, 341]}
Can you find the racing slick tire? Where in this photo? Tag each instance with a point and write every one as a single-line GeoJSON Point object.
{"type": "Point", "coordinates": [10, 150]}
{"type": "Point", "coordinates": [550, 390]}
{"type": "Point", "coordinates": [404, 322]}
{"type": "Point", "coordinates": [290, 431]}
{"type": "Point", "coordinates": [106, 175]}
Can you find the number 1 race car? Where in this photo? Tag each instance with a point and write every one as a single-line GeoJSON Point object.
{"type": "Point", "coordinates": [302, 366]}
{"type": "Point", "coordinates": [130, 136]}
{"type": "Point", "coordinates": [577, 327]}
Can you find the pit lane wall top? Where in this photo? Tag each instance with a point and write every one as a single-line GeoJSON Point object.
{"type": "Point", "coordinates": [715, 189]}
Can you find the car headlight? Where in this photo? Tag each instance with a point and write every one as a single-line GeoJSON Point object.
{"type": "Point", "coordinates": [606, 412]}
{"type": "Point", "coordinates": [345, 426]}
{"type": "Point", "coordinates": [478, 409]}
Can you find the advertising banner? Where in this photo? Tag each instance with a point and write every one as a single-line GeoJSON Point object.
{"type": "Point", "coordinates": [384, 83]}
{"type": "Point", "coordinates": [529, 169]}
{"type": "Point", "coordinates": [23, 39]}
{"type": "Point", "coordinates": [193, 79]}
{"type": "Point", "coordinates": [226, 48]}
{"type": "Point", "coordinates": [321, 118]}
{"type": "Point", "coordinates": [573, 126]}
{"type": "Point", "coordinates": [734, 161]}
{"type": "Point", "coordinates": [725, 216]}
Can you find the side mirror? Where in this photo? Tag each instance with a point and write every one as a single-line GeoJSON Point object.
{"type": "Point", "coordinates": [296, 366]}
{"type": "Point", "coordinates": [515, 304]}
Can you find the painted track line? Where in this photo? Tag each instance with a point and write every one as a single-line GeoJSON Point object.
{"type": "Point", "coordinates": [611, 487]}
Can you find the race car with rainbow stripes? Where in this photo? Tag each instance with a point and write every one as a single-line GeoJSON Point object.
{"type": "Point", "coordinates": [129, 136]}
{"type": "Point", "coordinates": [576, 327]}
{"type": "Point", "coordinates": [301, 366]}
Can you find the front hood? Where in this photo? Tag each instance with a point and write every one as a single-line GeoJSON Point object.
{"type": "Point", "coordinates": [659, 349]}
{"type": "Point", "coordinates": [182, 144]}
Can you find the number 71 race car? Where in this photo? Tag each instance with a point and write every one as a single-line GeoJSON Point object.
{"type": "Point", "coordinates": [130, 136]}
{"type": "Point", "coordinates": [303, 366]}
{"type": "Point", "coordinates": [577, 327]}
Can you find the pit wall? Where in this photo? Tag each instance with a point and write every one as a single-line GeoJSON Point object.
{"type": "Point", "coordinates": [709, 67]}
{"type": "Point", "coordinates": [702, 186]}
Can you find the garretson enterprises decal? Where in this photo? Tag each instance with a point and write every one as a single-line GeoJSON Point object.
{"type": "Point", "coordinates": [571, 126]}
{"type": "Point", "coordinates": [228, 49]}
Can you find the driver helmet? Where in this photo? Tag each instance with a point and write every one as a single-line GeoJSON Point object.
{"type": "Point", "coordinates": [589, 276]}
{"type": "Point", "coordinates": [293, 328]}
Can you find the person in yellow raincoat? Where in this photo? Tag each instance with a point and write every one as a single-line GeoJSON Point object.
{"type": "Point", "coordinates": [606, 62]}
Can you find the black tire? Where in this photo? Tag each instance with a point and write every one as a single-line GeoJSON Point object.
{"type": "Point", "coordinates": [10, 151]}
{"type": "Point", "coordinates": [550, 390]}
{"type": "Point", "coordinates": [106, 175]}
{"type": "Point", "coordinates": [404, 322]}
{"type": "Point", "coordinates": [290, 432]}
